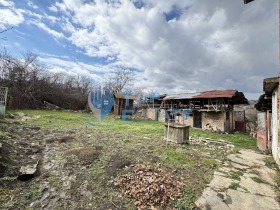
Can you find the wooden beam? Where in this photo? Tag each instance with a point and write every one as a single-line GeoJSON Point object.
{"type": "Point", "coordinates": [247, 1]}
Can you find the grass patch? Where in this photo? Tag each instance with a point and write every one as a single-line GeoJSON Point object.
{"type": "Point", "coordinates": [85, 154]}
{"type": "Point", "coordinates": [238, 140]}
{"type": "Point", "coordinates": [235, 175]}
{"type": "Point", "coordinates": [77, 136]}
{"type": "Point", "coordinates": [48, 119]}
{"type": "Point", "coordinates": [270, 163]}
{"type": "Point", "coordinates": [186, 202]}
{"type": "Point", "coordinates": [277, 179]}
{"type": "Point", "coordinates": [257, 179]}
{"type": "Point", "coordinates": [234, 186]}
{"type": "Point", "coordinates": [177, 158]}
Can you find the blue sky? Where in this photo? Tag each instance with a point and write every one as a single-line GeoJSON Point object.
{"type": "Point", "coordinates": [173, 46]}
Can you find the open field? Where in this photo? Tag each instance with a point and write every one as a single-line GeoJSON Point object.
{"type": "Point", "coordinates": [81, 161]}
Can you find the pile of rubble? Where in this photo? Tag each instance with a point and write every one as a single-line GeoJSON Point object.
{"type": "Point", "coordinates": [149, 188]}
{"type": "Point", "coordinates": [211, 144]}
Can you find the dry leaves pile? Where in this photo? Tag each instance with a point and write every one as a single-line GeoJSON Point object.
{"type": "Point", "coordinates": [149, 188]}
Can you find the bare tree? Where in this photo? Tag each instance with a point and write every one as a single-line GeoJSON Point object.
{"type": "Point", "coordinates": [84, 84]}
{"type": "Point", "coordinates": [3, 31]}
{"type": "Point", "coordinates": [30, 84]}
{"type": "Point", "coordinates": [139, 97]}
{"type": "Point", "coordinates": [118, 80]}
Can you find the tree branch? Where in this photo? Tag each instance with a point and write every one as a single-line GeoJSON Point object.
{"type": "Point", "coordinates": [6, 30]}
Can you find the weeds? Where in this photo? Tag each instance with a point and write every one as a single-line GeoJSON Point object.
{"type": "Point", "coordinates": [234, 186]}
{"type": "Point", "coordinates": [140, 141]}
{"type": "Point", "coordinates": [235, 175]}
{"type": "Point", "coordinates": [257, 179]}
{"type": "Point", "coordinates": [238, 140]}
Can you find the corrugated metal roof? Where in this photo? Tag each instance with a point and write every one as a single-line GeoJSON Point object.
{"type": "Point", "coordinates": [217, 94]}
{"type": "Point", "coordinates": [118, 95]}
{"type": "Point", "coordinates": [180, 96]}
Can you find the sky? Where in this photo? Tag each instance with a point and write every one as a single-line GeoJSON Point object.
{"type": "Point", "coordinates": [173, 46]}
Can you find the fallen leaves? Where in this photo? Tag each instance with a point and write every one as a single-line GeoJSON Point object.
{"type": "Point", "coordinates": [149, 187]}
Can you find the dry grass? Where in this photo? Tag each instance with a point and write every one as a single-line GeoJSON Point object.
{"type": "Point", "coordinates": [83, 153]}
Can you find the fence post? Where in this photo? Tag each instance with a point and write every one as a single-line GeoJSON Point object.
{"type": "Point", "coordinates": [3, 101]}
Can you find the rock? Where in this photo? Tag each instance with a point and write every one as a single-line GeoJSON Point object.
{"type": "Point", "coordinates": [239, 160]}
{"type": "Point", "coordinates": [241, 200]}
{"type": "Point", "coordinates": [29, 169]}
{"type": "Point", "coordinates": [210, 200]}
{"type": "Point", "coordinates": [257, 188]}
{"type": "Point", "coordinates": [34, 150]}
{"type": "Point", "coordinates": [220, 182]}
{"type": "Point", "coordinates": [254, 188]}
{"type": "Point", "coordinates": [222, 195]}
{"type": "Point", "coordinates": [27, 172]}
{"type": "Point", "coordinates": [21, 114]}
{"type": "Point", "coordinates": [48, 166]}
{"type": "Point", "coordinates": [230, 146]}
{"type": "Point", "coordinates": [11, 115]}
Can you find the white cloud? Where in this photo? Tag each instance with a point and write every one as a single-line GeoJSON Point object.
{"type": "Point", "coordinates": [53, 8]}
{"type": "Point", "coordinates": [52, 32]}
{"type": "Point", "coordinates": [32, 5]}
{"type": "Point", "coordinates": [6, 3]}
{"type": "Point", "coordinates": [212, 45]}
{"type": "Point", "coordinates": [9, 15]}
{"type": "Point", "coordinates": [95, 72]}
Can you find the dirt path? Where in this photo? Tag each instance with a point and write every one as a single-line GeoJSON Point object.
{"type": "Point", "coordinates": [244, 182]}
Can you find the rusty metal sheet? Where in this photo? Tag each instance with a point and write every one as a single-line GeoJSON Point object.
{"type": "Point", "coordinates": [217, 94]}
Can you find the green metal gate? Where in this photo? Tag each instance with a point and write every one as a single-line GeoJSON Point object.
{"type": "Point", "coordinates": [3, 101]}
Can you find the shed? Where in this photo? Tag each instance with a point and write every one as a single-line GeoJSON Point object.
{"type": "Point", "coordinates": [268, 131]}
{"type": "Point", "coordinates": [123, 102]}
{"type": "Point", "coordinates": [216, 111]}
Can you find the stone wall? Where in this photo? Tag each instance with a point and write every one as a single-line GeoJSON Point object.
{"type": "Point", "coordinates": [214, 121]}
{"type": "Point", "coordinates": [187, 121]}
{"type": "Point", "coordinates": [176, 133]}
{"type": "Point", "coordinates": [151, 114]}
{"type": "Point", "coordinates": [161, 117]}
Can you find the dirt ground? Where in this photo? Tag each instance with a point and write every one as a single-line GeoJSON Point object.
{"type": "Point", "coordinates": [78, 165]}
